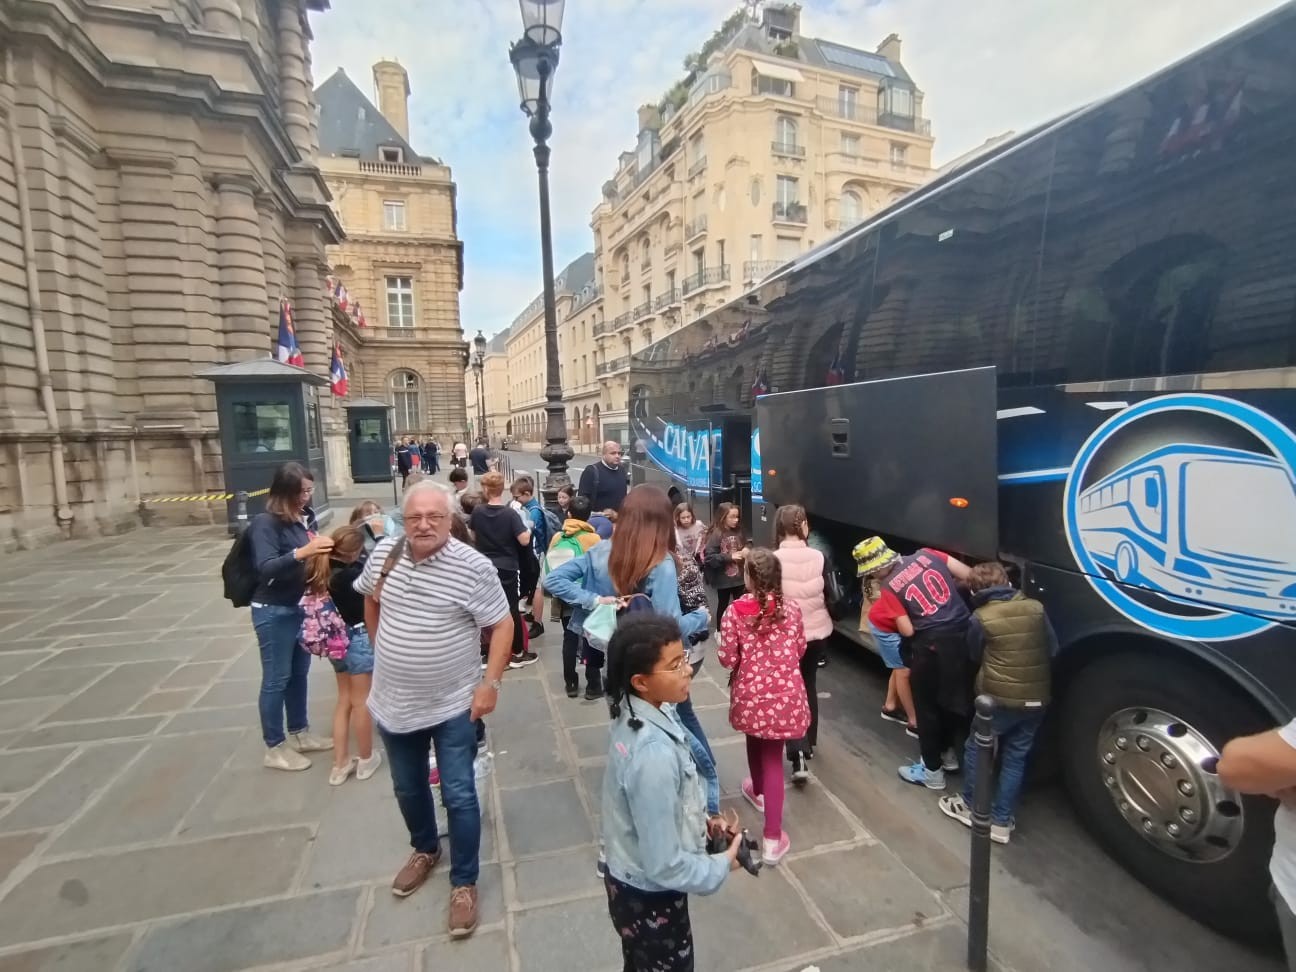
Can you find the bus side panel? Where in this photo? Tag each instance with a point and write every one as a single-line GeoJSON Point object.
{"type": "Point", "coordinates": [912, 457]}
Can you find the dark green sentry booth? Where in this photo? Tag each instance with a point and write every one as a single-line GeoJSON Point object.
{"type": "Point", "coordinates": [369, 431]}
{"type": "Point", "coordinates": [268, 413]}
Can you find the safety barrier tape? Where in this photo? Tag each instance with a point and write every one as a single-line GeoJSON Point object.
{"type": "Point", "coordinates": [202, 497]}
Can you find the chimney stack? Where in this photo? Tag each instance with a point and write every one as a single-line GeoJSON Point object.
{"type": "Point", "coordinates": [649, 118]}
{"type": "Point", "coordinates": [890, 48]}
{"type": "Point", "coordinates": [392, 86]}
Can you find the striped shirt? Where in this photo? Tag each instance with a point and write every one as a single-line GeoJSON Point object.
{"type": "Point", "coordinates": [427, 656]}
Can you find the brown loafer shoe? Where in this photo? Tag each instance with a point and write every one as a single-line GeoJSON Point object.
{"type": "Point", "coordinates": [463, 911]}
{"type": "Point", "coordinates": [416, 870]}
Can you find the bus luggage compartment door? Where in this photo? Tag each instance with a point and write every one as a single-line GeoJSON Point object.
{"type": "Point", "coordinates": [910, 457]}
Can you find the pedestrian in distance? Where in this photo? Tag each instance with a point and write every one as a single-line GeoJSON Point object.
{"type": "Point", "coordinates": [689, 532]}
{"type": "Point", "coordinates": [874, 563]}
{"type": "Point", "coordinates": [503, 537]}
{"type": "Point", "coordinates": [636, 561]}
{"type": "Point", "coordinates": [1010, 637]}
{"type": "Point", "coordinates": [803, 583]}
{"type": "Point", "coordinates": [654, 825]}
{"type": "Point", "coordinates": [404, 461]}
{"type": "Point", "coordinates": [576, 539]}
{"type": "Point", "coordinates": [335, 573]}
{"type": "Point", "coordinates": [604, 482]}
{"type": "Point", "coordinates": [427, 599]}
{"type": "Point", "coordinates": [723, 552]}
{"type": "Point", "coordinates": [921, 597]}
{"type": "Point", "coordinates": [281, 540]}
{"type": "Point", "coordinates": [459, 455]}
{"type": "Point", "coordinates": [480, 458]}
{"type": "Point", "coordinates": [762, 640]}
{"type": "Point", "coordinates": [1265, 764]}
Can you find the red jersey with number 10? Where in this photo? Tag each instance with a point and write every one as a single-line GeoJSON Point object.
{"type": "Point", "coordinates": [923, 588]}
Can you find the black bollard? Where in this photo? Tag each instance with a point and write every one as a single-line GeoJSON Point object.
{"type": "Point", "coordinates": [979, 876]}
{"type": "Point", "coordinates": [242, 515]}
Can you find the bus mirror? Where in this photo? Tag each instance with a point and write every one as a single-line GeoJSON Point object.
{"type": "Point", "coordinates": [1151, 492]}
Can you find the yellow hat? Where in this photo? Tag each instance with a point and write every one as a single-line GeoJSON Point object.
{"type": "Point", "coordinates": [872, 555]}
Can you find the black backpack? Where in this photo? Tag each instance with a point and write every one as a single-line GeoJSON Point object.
{"type": "Point", "coordinates": [238, 572]}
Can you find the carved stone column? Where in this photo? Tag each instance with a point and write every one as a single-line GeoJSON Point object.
{"type": "Point", "coordinates": [294, 84]}
{"type": "Point", "coordinates": [309, 315]}
{"type": "Point", "coordinates": [241, 264]}
{"type": "Point", "coordinates": [222, 17]}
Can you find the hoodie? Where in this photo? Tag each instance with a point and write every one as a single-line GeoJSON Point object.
{"type": "Point", "coordinates": [767, 696]}
{"type": "Point", "coordinates": [582, 530]}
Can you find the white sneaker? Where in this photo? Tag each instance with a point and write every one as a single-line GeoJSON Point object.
{"type": "Point", "coordinates": [340, 774]}
{"type": "Point", "coordinates": [366, 768]}
{"type": "Point", "coordinates": [1001, 833]}
{"type": "Point", "coordinates": [304, 742]}
{"type": "Point", "coordinates": [282, 758]}
{"type": "Point", "coordinates": [949, 761]}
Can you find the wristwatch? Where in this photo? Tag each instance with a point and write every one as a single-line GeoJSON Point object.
{"type": "Point", "coordinates": [496, 684]}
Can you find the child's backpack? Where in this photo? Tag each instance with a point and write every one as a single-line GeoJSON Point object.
{"type": "Point", "coordinates": [552, 526]}
{"type": "Point", "coordinates": [564, 551]}
{"type": "Point", "coordinates": [323, 632]}
{"type": "Point", "coordinates": [238, 573]}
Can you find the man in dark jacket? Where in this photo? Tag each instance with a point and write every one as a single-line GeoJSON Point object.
{"type": "Point", "coordinates": [604, 482]}
{"type": "Point", "coordinates": [404, 459]}
{"type": "Point", "coordinates": [1012, 640]}
{"type": "Point", "coordinates": [480, 458]}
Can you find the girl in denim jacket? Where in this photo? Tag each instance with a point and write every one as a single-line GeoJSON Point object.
{"type": "Point", "coordinates": [654, 807]}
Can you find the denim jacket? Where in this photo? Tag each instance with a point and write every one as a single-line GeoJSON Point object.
{"type": "Point", "coordinates": [583, 580]}
{"type": "Point", "coordinates": [654, 809]}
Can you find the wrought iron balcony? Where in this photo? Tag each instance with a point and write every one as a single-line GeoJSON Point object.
{"type": "Point", "coordinates": [755, 270]}
{"type": "Point", "coordinates": [668, 299]}
{"type": "Point", "coordinates": [869, 115]}
{"type": "Point", "coordinates": [790, 212]}
{"type": "Point", "coordinates": [622, 320]}
{"type": "Point", "coordinates": [642, 311]}
{"type": "Point", "coordinates": [788, 149]}
{"type": "Point", "coordinates": [709, 277]}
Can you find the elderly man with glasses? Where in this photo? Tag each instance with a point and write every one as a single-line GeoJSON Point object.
{"type": "Point", "coordinates": [427, 597]}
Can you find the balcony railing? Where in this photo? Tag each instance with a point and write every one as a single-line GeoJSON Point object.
{"type": "Point", "coordinates": [754, 270]}
{"type": "Point", "coordinates": [603, 327]}
{"type": "Point", "coordinates": [790, 212]}
{"type": "Point", "coordinates": [709, 277]}
{"type": "Point", "coordinates": [697, 168]}
{"type": "Point", "coordinates": [622, 320]}
{"type": "Point", "coordinates": [695, 228]}
{"type": "Point", "coordinates": [613, 366]}
{"type": "Point", "coordinates": [390, 168]}
{"type": "Point", "coordinates": [642, 311]}
{"type": "Point", "coordinates": [869, 115]}
{"type": "Point", "coordinates": [788, 149]}
{"type": "Point", "coordinates": [668, 299]}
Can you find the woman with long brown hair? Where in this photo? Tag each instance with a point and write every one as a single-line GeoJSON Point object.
{"type": "Point", "coordinates": [335, 574]}
{"type": "Point", "coordinates": [636, 561]}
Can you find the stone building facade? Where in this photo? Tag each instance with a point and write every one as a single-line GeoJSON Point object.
{"type": "Point", "coordinates": [401, 261]}
{"type": "Point", "coordinates": [158, 196]}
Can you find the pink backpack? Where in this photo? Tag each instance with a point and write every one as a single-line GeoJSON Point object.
{"type": "Point", "coordinates": [323, 632]}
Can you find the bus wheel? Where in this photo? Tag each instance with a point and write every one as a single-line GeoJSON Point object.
{"type": "Point", "coordinates": [1126, 563]}
{"type": "Point", "coordinates": [1141, 735]}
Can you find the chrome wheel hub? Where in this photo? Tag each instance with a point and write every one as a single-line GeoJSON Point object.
{"type": "Point", "coordinates": [1160, 773]}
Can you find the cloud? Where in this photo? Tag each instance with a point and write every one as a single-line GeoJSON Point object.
{"type": "Point", "coordinates": [984, 67]}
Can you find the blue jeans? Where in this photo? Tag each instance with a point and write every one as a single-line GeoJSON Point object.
{"type": "Point", "coordinates": [1015, 730]}
{"type": "Point", "coordinates": [702, 752]}
{"type": "Point", "coordinates": [455, 741]}
{"type": "Point", "coordinates": [284, 670]}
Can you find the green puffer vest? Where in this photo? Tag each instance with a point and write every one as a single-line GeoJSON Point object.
{"type": "Point", "coordinates": [1015, 665]}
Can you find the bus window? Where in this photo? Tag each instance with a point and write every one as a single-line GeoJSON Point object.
{"type": "Point", "coordinates": [1151, 492]}
{"type": "Point", "coordinates": [1121, 490]}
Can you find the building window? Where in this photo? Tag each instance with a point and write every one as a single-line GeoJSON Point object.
{"type": "Point", "coordinates": [850, 145]}
{"type": "Point", "coordinates": [394, 215]}
{"type": "Point", "coordinates": [847, 99]}
{"type": "Point", "coordinates": [393, 155]}
{"type": "Point", "coordinates": [400, 301]}
{"type": "Point", "coordinates": [757, 248]}
{"type": "Point", "coordinates": [899, 153]}
{"type": "Point", "coordinates": [852, 208]}
{"type": "Point", "coordinates": [765, 85]}
{"type": "Point", "coordinates": [785, 132]}
{"type": "Point", "coordinates": [786, 190]}
{"type": "Point", "coordinates": [699, 260]}
{"type": "Point", "coordinates": [720, 253]}
{"type": "Point", "coordinates": [405, 400]}
{"type": "Point", "coordinates": [898, 102]}
{"type": "Point", "coordinates": [645, 254]}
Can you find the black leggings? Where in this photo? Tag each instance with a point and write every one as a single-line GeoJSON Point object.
{"type": "Point", "coordinates": [809, 674]}
{"type": "Point", "coordinates": [724, 597]}
{"type": "Point", "coordinates": [654, 928]}
{"type": "Point", "coordinates": [938, 677]}
{"type": "Point", "coordinates": [509, 581]}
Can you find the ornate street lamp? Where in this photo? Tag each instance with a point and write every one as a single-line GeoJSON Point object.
{"type": "Point", "coordinates": [478, 365]}
{"type": "Point", "coordinates": [535, 59]}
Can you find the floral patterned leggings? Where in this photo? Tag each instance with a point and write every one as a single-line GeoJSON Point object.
{"type": "Point", "coordinates": [654, 927]}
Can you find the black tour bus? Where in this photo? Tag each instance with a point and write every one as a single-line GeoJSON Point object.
{"type": "Point", "coordinates": [1076, 353]}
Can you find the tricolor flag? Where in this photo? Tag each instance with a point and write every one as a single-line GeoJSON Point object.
{"type": "Point", "coordinates": [358, 315]}
{"type": "Point", "coordinates": [289, 349]}
{"type": "Point", "coordinates": [836, 373]}
{"type": "Point", "coordinates": [760, 386]}
{"type": "Point", "coordinates": [328, 285]}
{"type": "Point", "coordinates": [337, 372]}
{"type": "Point", "coordinates": [340, 295]}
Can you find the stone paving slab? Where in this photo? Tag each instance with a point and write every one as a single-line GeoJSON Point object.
{"type": "Point", "coordinates": [139, 830]}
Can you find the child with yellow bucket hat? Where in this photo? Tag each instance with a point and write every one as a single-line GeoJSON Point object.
{"type": "Point", "coordinates": [874, 562]}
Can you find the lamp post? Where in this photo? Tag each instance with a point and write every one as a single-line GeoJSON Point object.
{"type": "Point", "coordinates": [478, 365]}
{"type": "Point", "coordinates": [535, 59]}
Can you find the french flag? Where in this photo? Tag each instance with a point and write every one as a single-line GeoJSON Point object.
{"type": "Point", "coordinates": [289, 349]}
{"type": "Point", "coordinates": [358, 315]}
{"type": "Point", "coordinates": [836, 373]}
{"type": "Point", "coordinates": [337, 372]}
{"type": "Point", "coordinates": [760, 386]}
{"type": "Point", "coordinates": [340, 295]}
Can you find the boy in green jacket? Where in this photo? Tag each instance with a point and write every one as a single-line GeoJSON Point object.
{"type": "Point", "coordinates": [1011, 639]}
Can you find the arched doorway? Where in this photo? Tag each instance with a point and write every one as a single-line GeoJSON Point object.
{"type": "Point", "coordinates": [596, 430]}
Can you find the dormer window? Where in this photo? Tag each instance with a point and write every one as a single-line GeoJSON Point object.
{"type": "Point", "coordinates": [393, 155]}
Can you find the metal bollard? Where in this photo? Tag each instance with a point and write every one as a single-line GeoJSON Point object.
{"type": "Point", "coordinates": [979, 876]}
{"type": "Point", "coordinates": [242, 515]}
{"type": "Point", "coordinates": [395, 493]}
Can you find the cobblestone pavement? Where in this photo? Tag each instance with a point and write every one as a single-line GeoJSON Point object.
{"type": "Point", "coordinates": [138, 829]}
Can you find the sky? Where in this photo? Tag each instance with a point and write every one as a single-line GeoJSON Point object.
{"type": "Point", "coordinates": [985, 67]}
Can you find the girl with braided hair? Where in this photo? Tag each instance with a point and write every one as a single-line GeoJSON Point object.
{"type": "Point", "coordinates": [654, 820]}
{"type": "Point", "coordinates": [762, 639]}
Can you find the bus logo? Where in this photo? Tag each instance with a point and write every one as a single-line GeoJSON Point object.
{"type": "Point", "coordinates": [1195, 540]}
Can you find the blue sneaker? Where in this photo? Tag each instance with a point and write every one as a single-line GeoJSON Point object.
{"type": "Point", "coordinates": [920, 775]}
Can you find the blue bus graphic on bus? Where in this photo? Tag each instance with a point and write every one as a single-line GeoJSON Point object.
{"type": "Point", "coordinates": [1198, 522]}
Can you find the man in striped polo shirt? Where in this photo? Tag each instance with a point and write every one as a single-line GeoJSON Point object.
{"type": "Point", "coordinates": [425, 611]}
